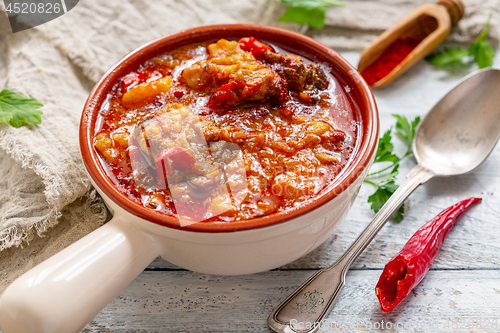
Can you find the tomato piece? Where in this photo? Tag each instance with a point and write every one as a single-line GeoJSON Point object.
{"type": "Point", "coordinates": [227, 94]}
{"type": "Point", "coordinates": [178, 93]}
{"type": "Point", "coordinates": [129, 82]}
{"type": "Point", "coordinates": [135, 79]}
{"type": "Point", "coordinates": [252, 45]}
{"type": "Point", "coordinates": [179, 158]}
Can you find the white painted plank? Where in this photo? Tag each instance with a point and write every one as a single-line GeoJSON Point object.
{"type": "Point", "coordinates": [181, 301]}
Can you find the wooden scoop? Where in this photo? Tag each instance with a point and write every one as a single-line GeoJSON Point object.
{"type": "Point", "coordinates": [428, 24]}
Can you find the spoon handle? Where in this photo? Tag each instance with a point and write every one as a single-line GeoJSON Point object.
{"type": "Point", "coordinates": [305, 309]}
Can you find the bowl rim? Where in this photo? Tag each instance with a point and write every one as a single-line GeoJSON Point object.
{"type": "Point", "coordinates": [356, 167]}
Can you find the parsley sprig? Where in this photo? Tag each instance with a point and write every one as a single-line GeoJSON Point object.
{"type": "Point", "coordinates": [481, 52]}
{"type": "Point", "coordinates": [310, 12]}
{"type": "Point", "coordinates": [385, 179]}
{"type": "Point", "coordinates": [18, 110]}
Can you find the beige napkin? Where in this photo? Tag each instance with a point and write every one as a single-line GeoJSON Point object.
{"type": "Point", "coordinates": [46, 201]}
{"type": "Point", "coordinates": [40, 167]}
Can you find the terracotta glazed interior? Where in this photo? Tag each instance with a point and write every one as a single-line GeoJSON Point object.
{"type": "Point", "coordinates": [287, 40]}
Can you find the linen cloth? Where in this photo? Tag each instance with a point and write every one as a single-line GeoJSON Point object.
{"type": "Point", "coordinates": [46, 200]}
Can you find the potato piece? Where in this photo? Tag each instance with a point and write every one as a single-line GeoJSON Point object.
{"type": "Point", "coordinates": [103, 141]}
{"type": "Point", "coordinates": [105, 146]}
{"type": "Point", "coordinates": [220, 204]}
{"type": "Point", "coordinates": [267, 204]}
{"type": "Point", "coordinates": [121, 138]}
{"type": "Point", "coordinates": [146, 92]}
{"type": "Point", "coordinates": [156, 200]}
{"type": "Point", "coordinates": [197, 77]}
{"type": "Point", "coordinates": [327, 157]}
{"type": "Point", "coordinates": [318, 128]}
{"type": "Point", "coordinates": [294, 185]}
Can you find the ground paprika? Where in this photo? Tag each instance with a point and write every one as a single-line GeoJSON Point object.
{"type": "Point", "coordinates": [389, 59]}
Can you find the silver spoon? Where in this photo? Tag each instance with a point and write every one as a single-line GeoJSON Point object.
{"type": "Point", "coordinates": [455, 137]}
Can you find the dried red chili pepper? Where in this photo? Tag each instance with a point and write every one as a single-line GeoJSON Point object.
{"type": "Point", "coordinates": [389, 59]}
{"type": "Point", "coordinates": [403, 272]}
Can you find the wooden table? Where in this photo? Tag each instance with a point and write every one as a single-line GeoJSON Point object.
{"type": "Point", "coordinates": [461, 293]}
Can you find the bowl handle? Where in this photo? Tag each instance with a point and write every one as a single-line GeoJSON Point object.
{"type": "Point", "coordinates": [64, 293]}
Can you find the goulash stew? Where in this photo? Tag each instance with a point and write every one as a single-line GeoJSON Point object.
{"type": "Point", "coordinates": [225, 131]}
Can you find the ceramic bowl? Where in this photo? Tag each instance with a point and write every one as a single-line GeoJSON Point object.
{"type": "Point", "coordinates": [66, 291]}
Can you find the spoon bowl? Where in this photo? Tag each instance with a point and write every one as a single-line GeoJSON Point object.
{"type": "Point", "coordinates": [461, 130]}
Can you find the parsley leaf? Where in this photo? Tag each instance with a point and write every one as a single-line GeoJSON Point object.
{"type": "Point", "coordinates": [406, 130]}
{"type": "Point", "coordinates": [385, 148]}
{"type": "Point", "coordinates": [383, 179]}
{"type": "Point", "coordinates": [18, 110]}
{"type": "Point", "coordinates": [484, 54]}
{"type": "Point", "coordinates": [310, 12]}
{"type": "Point", "coordinates": [480, 52]}
{"type": "Point", "coordinates": [447, 56]}
{"type": "Point", "coordinates": [380, 197]}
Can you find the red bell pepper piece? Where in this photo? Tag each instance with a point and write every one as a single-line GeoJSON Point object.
{"type": "Point", "coordinates": [178, 93]}
{"type": "Point", "coordinates": [130, 81]}
{"type": "Point", "coordinates": [252, 45]}
{"type": "Point", "coordinates": [403, 272]}
{"type": "Point", "coordinates": [179, 158]}
{"type": "Point", "coordinates": [227, 94]}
